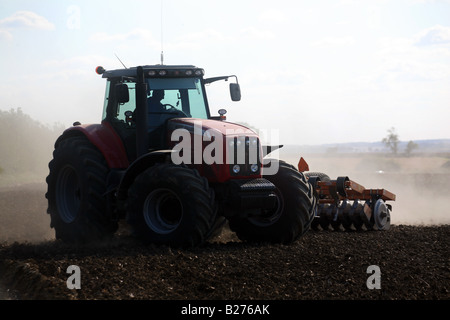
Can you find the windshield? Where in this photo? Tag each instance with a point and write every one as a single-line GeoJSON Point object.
{"type": "Point", "coordinates": [184, 95]}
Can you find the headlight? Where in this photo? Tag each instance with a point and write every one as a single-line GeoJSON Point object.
{"type": "Point", "coordinates": [254, 168]}
{"type": "Point", "coordinates": [236, 168]}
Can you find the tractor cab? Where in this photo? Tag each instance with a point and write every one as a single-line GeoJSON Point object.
{"type": "Point", "coordinates": [169, 92]}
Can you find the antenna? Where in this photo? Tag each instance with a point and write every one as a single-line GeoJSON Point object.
{"type": "Point", "coordinates": [120, 61]}
{"type": "Point", "coordinates": [162, 42]}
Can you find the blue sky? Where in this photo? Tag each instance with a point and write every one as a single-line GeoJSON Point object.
{"type": "Point", "coordinates": [314, 71]}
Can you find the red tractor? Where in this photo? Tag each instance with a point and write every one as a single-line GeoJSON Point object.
{"type": "Point", "coordinates": [174, 172]}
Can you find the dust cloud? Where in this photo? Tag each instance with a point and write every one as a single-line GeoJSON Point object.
{"type": "Point", "coordinates": [26, 148]}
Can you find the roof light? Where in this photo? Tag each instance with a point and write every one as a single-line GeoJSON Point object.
{"type": "Point", "coordinates": [152, 73]}
{"type": "Point", "coordinates": [100, 70]}
{"type": "Point", "coordinates": [189, 72]}
{"type": "Point", "coordinates": [162, 72]}
{"type": "Point", "coordinates": [199, 72]}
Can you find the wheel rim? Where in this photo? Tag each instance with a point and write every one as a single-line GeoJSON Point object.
{"type": "Point", "coordinates": [68, 194]}
{"type": "Point", "coordinates": [271, 216]}
{"type": "Point", "coordinates": [382, 216]}
{"type": "Point", "coordinates": [163, 211]}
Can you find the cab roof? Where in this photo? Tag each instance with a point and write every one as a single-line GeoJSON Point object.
{"type": "Point", "coordinates": [156, 71]}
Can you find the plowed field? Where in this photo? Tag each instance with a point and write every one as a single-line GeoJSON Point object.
{"type": "Point", "coordinates": [413, 262]}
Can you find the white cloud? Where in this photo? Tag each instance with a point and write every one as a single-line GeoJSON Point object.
{"type": "Point", "coordinates": [436, 35]}
{"type": "Point", "coordinates": [26, 19]}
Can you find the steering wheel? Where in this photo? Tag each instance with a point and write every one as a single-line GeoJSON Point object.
{"type": "Point", "coordinates": [172, 109]}
{"type": "Point", "coordinates": [168, 105]}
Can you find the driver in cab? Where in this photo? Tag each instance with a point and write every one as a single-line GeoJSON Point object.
{"type": "Point", "coordinates": [154, 102]}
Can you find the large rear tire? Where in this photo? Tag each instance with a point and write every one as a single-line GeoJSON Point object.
{"type": "Point", "coordinates": [171, 205]}
{"type": "Point", "coordinates": [76, 185]}
{"type": "Point", "coordinates": [293, 213]}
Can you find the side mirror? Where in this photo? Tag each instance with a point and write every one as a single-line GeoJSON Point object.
{"type": "Point", "coordinates": [121, 91]}
{"type": "Point", "coordinates": [235, 92]}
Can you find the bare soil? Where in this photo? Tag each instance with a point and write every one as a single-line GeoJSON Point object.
{"type": "Point", "coordinates": [413, 260]}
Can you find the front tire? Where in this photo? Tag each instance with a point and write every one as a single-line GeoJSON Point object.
{"type": "Point", "coordinates": [171, 205]}
{"type": "Point", "coordinates": [292, 215]}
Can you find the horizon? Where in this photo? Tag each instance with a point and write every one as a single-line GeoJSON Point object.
{"type": "Point", "coordinates": [380, 142]}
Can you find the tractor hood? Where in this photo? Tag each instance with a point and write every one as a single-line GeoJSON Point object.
{"type": "Point", "coordinates": [225, 128]}
{"type": "Point", "coordinates": [219, 150]}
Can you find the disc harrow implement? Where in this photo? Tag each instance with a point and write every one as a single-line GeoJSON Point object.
{"type": "Point", "coordinates": [344, 204]}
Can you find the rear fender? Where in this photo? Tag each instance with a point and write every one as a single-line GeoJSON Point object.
{"type": "Point", "coordinates": [105, 139]}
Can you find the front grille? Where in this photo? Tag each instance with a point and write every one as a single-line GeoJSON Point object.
{"type": "Point", "coordinates": [244, 151]}
{"type": "Point", "coordinates": [257, 185]}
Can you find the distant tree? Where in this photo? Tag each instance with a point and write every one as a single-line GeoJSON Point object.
{"type": "Point", "coordinates": [410, 147]}
{"type": "Point", "coordinates": [391, 140]}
